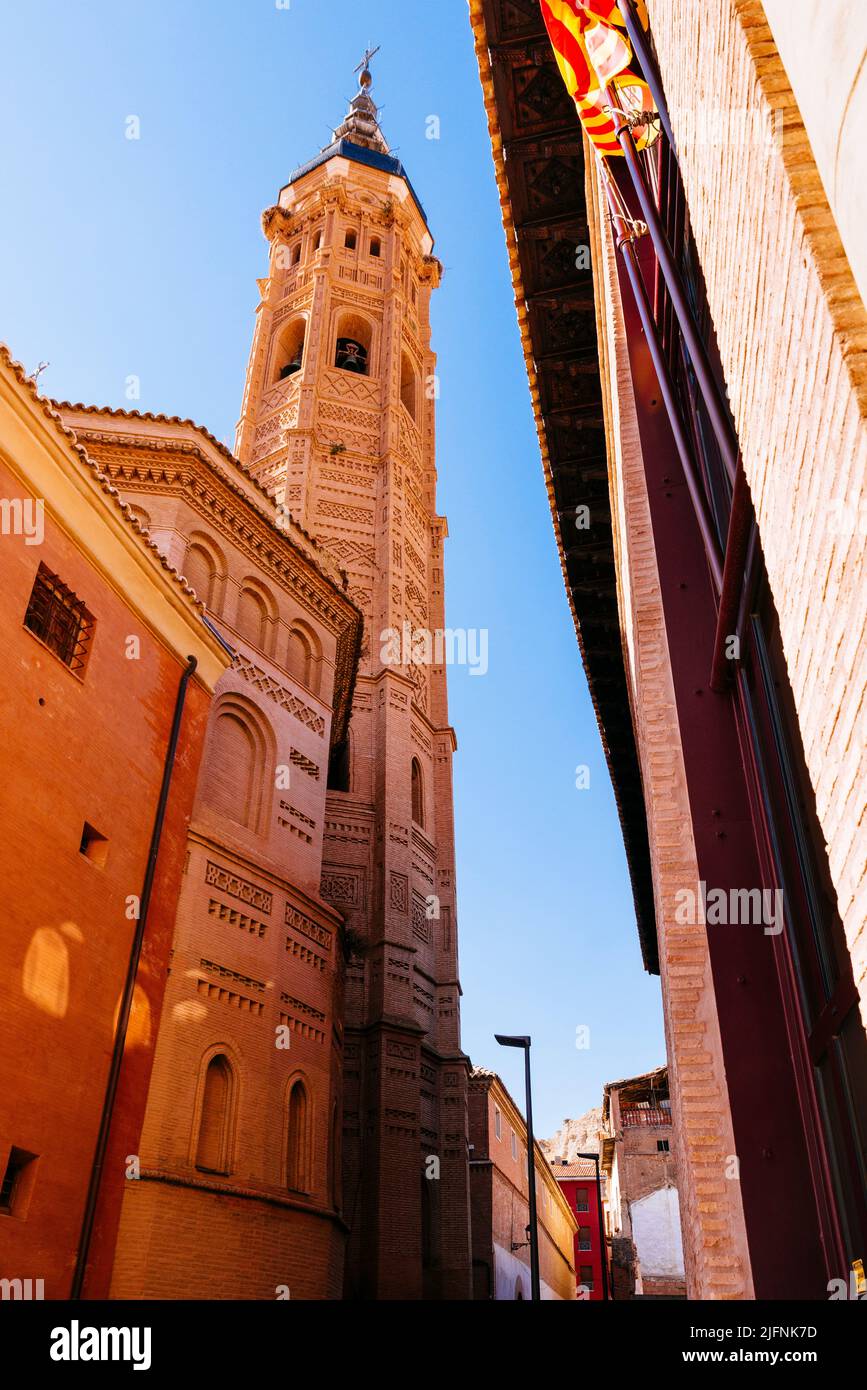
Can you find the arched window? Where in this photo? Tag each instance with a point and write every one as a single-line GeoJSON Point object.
{"type": "Point", "coordinates": [352, 352]}
{"type": "Point", "coordinates": [287, 354]}
{"type": "Point", "coordinates": [296, 253]}
{"type": "Point", "coordinates": [234, 763]}
{"type": "Point", "coordinates": [297, 1139]}
{"type": "Point", "coordinates": [409, 385]}
{"type": "Point", "coordinates": [317, 240]}
{"type": "Point", "coordinates": [251, 621]}
{"type": "Point", "coordinates": [212, 1148]}
{"type": "Point", "coordinates": [205, 571]}
{"type": "Point", "coordinates": [417, 793]}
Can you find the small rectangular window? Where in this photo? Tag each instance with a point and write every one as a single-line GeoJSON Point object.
{"type": "Point", "coordinates": [581, 1199]}
{"type": "Point", "coordinates": [17, 1182]}
{"type": "Point", "coordinates": [514, 1144]}
{"type": "Point", "coordinates": [351, 241]}
{"type": "Point", "coordinates": [662, 1146]}
{"type": "Point", "coordinates": [586, 1275]}
{"type": "Point", "coordinates": [498, 1125]}
{"type": "Point", "coordinates": [375, 246]}
{"type": "Point", "coordinates": [93, 846]}
{"type": "Point", "coordinates": [59, 619]}
{"type": "Point", "coordinates": [584, 1238]}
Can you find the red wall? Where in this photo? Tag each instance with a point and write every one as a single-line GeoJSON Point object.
{"type": "Point", "coordinates": [571, 1187]}
{"type": "Point", "coordinates": [74, 751]}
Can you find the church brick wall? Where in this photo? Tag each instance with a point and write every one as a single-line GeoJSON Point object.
{"type": "Point", "coordinates": [258, 956]}
{"type": "Point", "coordinates": [88, 748]}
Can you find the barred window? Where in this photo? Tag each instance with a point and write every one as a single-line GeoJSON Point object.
{"type": "Point", "coordinates": [60, 620]}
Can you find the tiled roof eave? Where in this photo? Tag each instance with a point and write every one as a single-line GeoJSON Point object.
{"type": "Point", "coordinates": [647, 933]}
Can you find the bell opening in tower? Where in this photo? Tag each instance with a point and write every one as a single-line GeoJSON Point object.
{"type": "Point", "coordinates": [351, 356]}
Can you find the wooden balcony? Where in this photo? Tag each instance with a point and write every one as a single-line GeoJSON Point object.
{"type": "Point", "coordinates": [643, 1115]}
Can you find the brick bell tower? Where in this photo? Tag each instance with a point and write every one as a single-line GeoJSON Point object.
{"type": "Point", "coordinates": [338, 424]}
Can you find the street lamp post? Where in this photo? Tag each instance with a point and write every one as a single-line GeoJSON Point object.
{"type": "Point", "coordinates": [524, 1042]}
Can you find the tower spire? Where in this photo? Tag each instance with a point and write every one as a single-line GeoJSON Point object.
{"type": "Point", "coordinates": [361, 124]}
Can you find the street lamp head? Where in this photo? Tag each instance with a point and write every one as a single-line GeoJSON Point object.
{"type": "Point", "coordinates": [506, 1041]}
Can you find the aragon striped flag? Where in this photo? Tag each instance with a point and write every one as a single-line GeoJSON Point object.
{"type": "Point", "coordinates": [593, 52]}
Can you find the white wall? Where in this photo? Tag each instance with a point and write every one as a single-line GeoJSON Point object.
{"type": "Point", "coordinates": [509, 1271]}
{"type": "Point", "coordinates": [656, 1233]}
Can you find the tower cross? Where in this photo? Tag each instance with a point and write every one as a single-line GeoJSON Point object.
{"type": "Point", "coordinates": [369, 54]}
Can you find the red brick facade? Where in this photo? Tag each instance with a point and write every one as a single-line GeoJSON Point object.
{"type": "Point", "coordinates": [237, 1196]}
{"type": "Point", "coordinates": [90, 766]}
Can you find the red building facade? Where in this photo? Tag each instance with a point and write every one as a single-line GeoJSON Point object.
{"type": "Point", "coordinates": [98, 631]}
{"type": "Point", "coordinates": [580, 1186]}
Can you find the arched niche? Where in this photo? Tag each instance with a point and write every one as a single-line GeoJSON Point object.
{"type": "Point", "coordinates": [256, 615]}
{"type": "Point", "coordinates": [238, 763]}
{"type": "Point", "coordinates": [304, 656]}
{"type": "Point", "coordinates": [204, 569]}
{"type": "Point", "coordinates": [409, 392]}
{"type": "Point", "coordinates": [298, 1112]}
{"type": "Point", "coordinates": [215, 1112]}
{"type": "Point", "coordinates": [417, 780]}
{"type": "Point", "coordinates": [287, 351]}
{"type": "Point", "coordinates": [141, 516]}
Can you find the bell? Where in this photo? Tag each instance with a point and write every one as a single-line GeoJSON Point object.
{"type": "Point", "coordinates": [351, 356]}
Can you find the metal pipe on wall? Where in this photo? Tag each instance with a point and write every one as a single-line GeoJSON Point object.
{"type": "Point", "coordinates": [128, 992]}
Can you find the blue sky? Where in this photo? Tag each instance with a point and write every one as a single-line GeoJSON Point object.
{"type": "Point", "coordinates": [122, 257]}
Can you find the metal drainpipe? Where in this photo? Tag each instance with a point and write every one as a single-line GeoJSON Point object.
{"type": "Point", "coordinates": [128, 992]}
